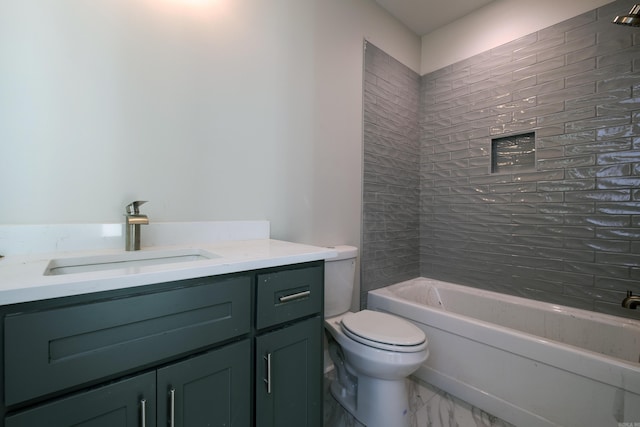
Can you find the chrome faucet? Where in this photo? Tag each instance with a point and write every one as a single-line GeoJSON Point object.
{"type": "Point", "coordinates": [631, 301]}
{"type": "Point", "coordinates": [132, 224]}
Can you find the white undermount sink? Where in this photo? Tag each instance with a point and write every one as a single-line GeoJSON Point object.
{"type": "Point", "coordinates": [126, 260]}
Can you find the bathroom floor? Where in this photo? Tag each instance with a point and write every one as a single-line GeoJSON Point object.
{"type": "Point", "coordinates": [334, 414]}
{"type": "Point", "coordinates": [429, 407]}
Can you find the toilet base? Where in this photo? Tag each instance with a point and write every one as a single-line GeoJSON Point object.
{"type": "Point", "coordinates": [343, 397]}
{"type": "Point", "coordinates": [377, 402]}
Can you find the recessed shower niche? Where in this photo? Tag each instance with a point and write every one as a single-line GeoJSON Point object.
{"type": "Point", "coordinates": [513, 153]}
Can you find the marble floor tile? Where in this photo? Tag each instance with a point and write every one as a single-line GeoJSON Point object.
{"type": "Point", "coordinates": [428, 406]}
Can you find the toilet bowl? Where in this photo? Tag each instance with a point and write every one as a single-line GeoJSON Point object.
{"type": "Point", "coordinates": [373, 388]}
{"type": "Point", "coordinates": [372, 352]}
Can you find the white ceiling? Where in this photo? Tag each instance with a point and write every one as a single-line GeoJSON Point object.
{"type": "Point", "coordinates": [424, 16]}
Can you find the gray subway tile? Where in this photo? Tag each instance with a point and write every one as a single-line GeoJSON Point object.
{"type": "Point", "coordinates": [601, 76]}
{"type": "Point", "coordinates": [565, 208]}
{"type": "Point", "coordinates": [538, 176]}
{"type": "Point", "coordinates": [632, 182]}
{"type": "Point", "coordinates": [513, 127]}
{"type": "Point", "coordinates": [600, 98]}
{"type": "Point", "coordinates": [566, 138]}
{"type": "Point", "coordinates": [538, 67]}
{"type": "Point", "coordinates": [597, 147]}
{"type": "Point", "coordinates": [598, 220]}
{"type": "Point", "coordinates": [619, 157]}
{"type": "Point", "coordinates": [566, 185]}
{"type": "Point", "coordinates": [629, 260]}
{"type": "Point", "coordinates": [551, 130]}
{"type": "Point", "coordinates": [567, 162]}
{"type": "Point", "coordinates": [619, 233]}
{"type": "Point", "coordinates": [567, 231]}
{"type": "Point", "coordinates": [550, 87]}
{"type": "Point", "coordinates": [598, 195]}
{"type": "Point", "coordinates": [599, 171]}
{"type": "Point", "coordinates": [617, 81]}
{"type": "Point", "coordinates": [567, 70]}
{"type": "Point", "coordinates": [622, 208]}
{"type": "Point", "coordinates": [549, 153]}
{"type": "Point", "coordinates": [618, 57]}
{"type": "Point", "coordinates": [537, 110]}
{"type": "Point", "coordinates": [598, 244]}
{"type": "Point", "coordinates": [566, 93]}
{"type": "Point", "coordinates": [566, 116]}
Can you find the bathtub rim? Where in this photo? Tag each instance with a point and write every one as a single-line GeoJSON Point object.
{"type": "Point", "coordinates": [608, 318]}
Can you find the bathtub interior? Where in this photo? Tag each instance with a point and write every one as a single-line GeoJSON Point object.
{"type": "Point", "coordinates": [600, 333]}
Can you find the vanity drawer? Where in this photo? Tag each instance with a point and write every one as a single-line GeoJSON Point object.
{"type": "Point", "coordinates": [290, 294]}
{"type": "Point", "coordinates": [54, 349]}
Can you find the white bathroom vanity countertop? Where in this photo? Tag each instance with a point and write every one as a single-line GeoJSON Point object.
{"type": "Point", "coordinates": [23, 278]}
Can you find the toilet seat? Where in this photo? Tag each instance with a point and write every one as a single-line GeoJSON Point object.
{"type": "Point", "coordinates": [383, 331]}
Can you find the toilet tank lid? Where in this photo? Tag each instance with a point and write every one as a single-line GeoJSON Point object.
{"type": "Point", "coordinates": [344, 252]}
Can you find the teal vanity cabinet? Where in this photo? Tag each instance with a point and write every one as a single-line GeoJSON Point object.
{"type": "Point", "coordinates": [137, 357]}
{"type": "Point", "coordinates": [289, 347]}
{"type": "Point", "coordinates": [242, 349]}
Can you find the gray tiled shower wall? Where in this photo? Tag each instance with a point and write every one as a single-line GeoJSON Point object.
{"type": "Point", "coordinates": [567, 231]}
{"type": "Point", "coordinates": [391, 189]}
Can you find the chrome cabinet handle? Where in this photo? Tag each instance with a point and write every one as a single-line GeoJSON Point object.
{"type": "Point", "coordinates": [172, 407]}
{"type": "Point", "coordinates": [143, 412]}
{"type": "Point", "coordinates": [293, 297]}
{"type": "Point", "coordinates": [268, 379]}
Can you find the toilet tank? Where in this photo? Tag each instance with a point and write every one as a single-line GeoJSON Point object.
{"type": "Point", "coordinates": [339, 279]}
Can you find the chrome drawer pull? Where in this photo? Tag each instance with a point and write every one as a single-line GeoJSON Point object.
{"type": "Point", "coordinates": [293, 297]}
{"type": "Point", "coordinates": [172, 407]}
{"type": "Point", "coordinates": [143, 412]}
{"type": "Point", "coordinates": [268, 379]}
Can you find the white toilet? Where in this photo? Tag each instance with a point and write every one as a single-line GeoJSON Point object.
{"type": "Point", "coordinates": [373, 352]}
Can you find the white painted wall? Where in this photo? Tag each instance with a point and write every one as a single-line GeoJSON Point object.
{"type": "Point", "coordinates": [208, 109]}
{"type": "Point", "coordinates": [495, 24]}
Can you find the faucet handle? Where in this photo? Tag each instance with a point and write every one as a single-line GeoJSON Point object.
{"type": "Point", "coordinates": [132, 208]}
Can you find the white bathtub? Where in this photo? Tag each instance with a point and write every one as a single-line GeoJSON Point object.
{"type": "Point", "coordinates": [527, 362]}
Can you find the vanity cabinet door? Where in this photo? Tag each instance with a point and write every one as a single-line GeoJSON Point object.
{"type": "Point", "coordinates": [289, 376]}
{"type": "Point", "coordinates": [118, 404]}
{"type": "Point", "coordinates": [213, 389]}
